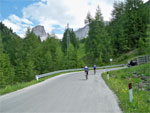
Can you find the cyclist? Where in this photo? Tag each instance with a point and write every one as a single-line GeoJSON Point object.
{"type": "Point", "coordinates": [94, 67]}
{"type": "Point", "coordinates": [86, 71]}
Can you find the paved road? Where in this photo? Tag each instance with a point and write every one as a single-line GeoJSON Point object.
{"type": "Point", "coordinates": [65, 93]}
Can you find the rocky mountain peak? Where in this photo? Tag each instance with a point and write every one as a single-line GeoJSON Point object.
{"type": "Point", "coordinates": [40, 31]}
{"type": "Point", "coordinates": [82, 32]}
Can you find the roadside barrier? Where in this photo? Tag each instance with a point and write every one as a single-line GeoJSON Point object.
{"type": "Point", "coordinates": [143, 59]}
{"type": "Point", "coordinates": [68, 70]}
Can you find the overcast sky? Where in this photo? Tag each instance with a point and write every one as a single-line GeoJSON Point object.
{"type": "Point", "coordinates": [52, 14]}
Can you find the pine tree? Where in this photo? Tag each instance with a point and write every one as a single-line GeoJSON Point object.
{"type": "Point", "coordinates": [98, 15]}
{"type": "Point", "coordinates": [117, 31]}
{"type": "Point", "coordinates": [73, 39]}
{"type": "Point", "coordinates": [6, 71]}
{"type": "Point", "coordinates": [20, 71]}
{"type": "Point", "coordinates": [47, 66]}
{"type": "Point", "coordinates": [59, 58]}
{"type": "Point", "coordinates": [141, 46]}
{"type": "Point", "coordinates": [88, 19]}
{"type": "Point", "coordinates": [69, 37]}
{"type": "Point", "coordinates": [98, 42]}
{"type": "Point", "coordinates": [65, 41]}
{"type": "Point", "coordinates": [72, 57]}
{"type": "Point", "coordinates": [134, 25]}
{"type": "Point", "coordinates": [147, 40]}
{"type": "Point", "coordinates": [1, 44]}
{"type": "Point", "coordinates": [29, 65]}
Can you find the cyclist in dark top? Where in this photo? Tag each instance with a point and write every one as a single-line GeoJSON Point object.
{"type": "Point", "coordinates": [86, 71]}
{"type": "Point", "coordinates": [94, 67]}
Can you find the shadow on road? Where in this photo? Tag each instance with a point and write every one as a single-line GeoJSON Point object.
{"type": "Point", "coordinates": [82, 79]}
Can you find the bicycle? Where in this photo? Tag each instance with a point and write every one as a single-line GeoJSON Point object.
{"type": "Point", "coordinates": [86, 75]}
{"type": "Point", "coordinates": [94, 67]}
{"type": "Point", "coordinates": [94, 71]}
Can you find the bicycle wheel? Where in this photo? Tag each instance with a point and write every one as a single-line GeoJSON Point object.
{"type": "Point", "coordinates": [86, 75]}
{"type": "Point", "coordinates": [94, 72]}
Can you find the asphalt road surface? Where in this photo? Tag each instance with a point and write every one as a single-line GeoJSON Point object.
{"type": "Point", "coordinates": [67, 93]}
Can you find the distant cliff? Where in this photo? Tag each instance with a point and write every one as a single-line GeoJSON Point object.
{"type": "Point", "coordinates": [82, 32]}
{"type": "Point", "coordinates": [40, 31]}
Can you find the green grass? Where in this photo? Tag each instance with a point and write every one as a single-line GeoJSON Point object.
{"type": "Point", "coordinates": [124, 58]}
{"type": "Point", "coordinates": [119, 81]}
{"type": "Point", "coordinates": [17, 86]}
{"type": "Point", "coordinates": [81, 51]}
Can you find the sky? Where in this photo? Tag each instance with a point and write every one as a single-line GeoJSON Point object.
{"type": "Point", "coordinates": [52, 14]}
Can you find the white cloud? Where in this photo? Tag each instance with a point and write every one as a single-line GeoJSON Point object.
{"type": "Point", "coordinates": [26, 21]}
{"type": "Point", "coordinates": [61, 12]}
{"type": "Point", "coordinates": [48, 25]}
{"type": "Point", "coordinates": [144, 1]}
{"type": "Point", "coordinates": [19, 25]}
{"type": "Point", "coordinates": [52, 11]}
{"type": "Point", "coordinates": [15, 19]}
{"type": "Point", "coordinates": [10, 24]}
{"type": "Point", "coordinates": [22, 35]}
{"type": "Point", "coordinates": [59, 36]}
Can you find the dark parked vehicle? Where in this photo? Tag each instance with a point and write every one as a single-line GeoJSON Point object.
{"type": "Point", "coordinates": [132, 63]}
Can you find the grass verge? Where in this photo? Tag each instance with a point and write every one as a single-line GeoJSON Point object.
{"type": "Point", "coordinates": [124, 58]}
{"type": "Point", "coordinates": [139, 76]}
{"type": "Point", "coordinates": [17, 86]}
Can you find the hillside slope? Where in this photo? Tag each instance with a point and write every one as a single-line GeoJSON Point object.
{"type": "Point", "coordinates": [139, 76]}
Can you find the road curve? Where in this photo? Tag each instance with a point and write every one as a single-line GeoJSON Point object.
{"type": "Point", "coordinates": [65, 93]}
